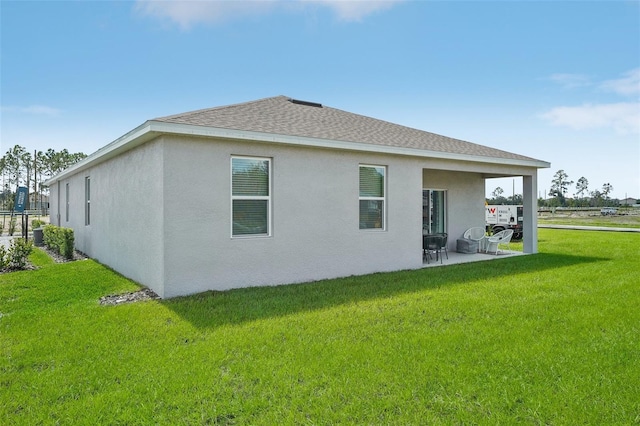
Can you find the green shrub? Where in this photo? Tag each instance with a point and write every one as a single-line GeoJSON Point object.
{"type": "Point", "coordinates": [19, 253]}
{"type": "Point", "coordinates": [4, 259]}
{"type": "Point", "coordinates": [17, 256]}
{"type": "Point", "coordinates": [37, 223]}
{"type": "Point", "coordinates": [59, 240]}
{"type": "Point", "coordinates": [12, 226]}
{"type": "Point", "coordinates": [67, 244]}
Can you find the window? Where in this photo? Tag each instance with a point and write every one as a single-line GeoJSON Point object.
{"type": "Point", "coordinates": [87, 199]}
{"type": "Point", "coordinates": [66, 201]}
{"type": "Point", "coordinates": [372, 197]}
{"type": "Point", "coordinates": [434, 211]}
{"type": "Point", "coordinates": [250, 196]}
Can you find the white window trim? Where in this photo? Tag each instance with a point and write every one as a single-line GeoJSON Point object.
{"type": "Point", "coordinates": [87, 200]}
{"type": "Point", "coordinates": [250, 197]}
{"type": "Point", "coordinates": [383, 198]}
{"type": "Point", "coordinates": [66, 202]}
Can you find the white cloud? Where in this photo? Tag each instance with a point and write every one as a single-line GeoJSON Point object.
{"type": "Point", "coordinates": [623, 117]}
{"type": "Point", "coordinates": [189, 13]}
{"type": "Point", "coordinates": [33, 109]}
{"type": "Point", "coordinates": [354, 10]}
{"type": "Point", "coordinates": [629, 85]}
{"type": "Point", "coordinates": [569, 81]}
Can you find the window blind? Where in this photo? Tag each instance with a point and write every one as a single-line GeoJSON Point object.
{"type": "Point", "coordinates": [250, 196]}
{"type": "Point", "coordinates": [372, 197]}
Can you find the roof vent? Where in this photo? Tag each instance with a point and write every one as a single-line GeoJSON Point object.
{"type": "Point", "coordinates": [305, 103]}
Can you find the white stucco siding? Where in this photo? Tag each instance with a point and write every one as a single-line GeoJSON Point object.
{"type": "Point", "coordinates": [125, 230]}
{"type": "Point", "coordinates": [315, 217]}
{"type": "Point", "coordinates": [58, 204]}
{"type": "Point", "coordinates": [465, 200]}
{"type": "Point", "coordinates": [131, 188]}
{"type": "Point", "coordinates": [161, 213]}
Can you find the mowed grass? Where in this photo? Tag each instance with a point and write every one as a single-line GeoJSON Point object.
{"type": "Point", "coordinates": [552, 338]}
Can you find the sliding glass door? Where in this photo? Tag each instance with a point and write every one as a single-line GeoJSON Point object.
{"type": "Point", "coordinates": [434, 211]}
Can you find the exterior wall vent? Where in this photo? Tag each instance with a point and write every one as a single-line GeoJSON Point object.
{"type": "Point", "coordinates": [305, 103]}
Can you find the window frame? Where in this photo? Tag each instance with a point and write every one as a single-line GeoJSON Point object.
{"type": "Point", "coordinates": [66, 201]}
{"type": "Point", "coordinates": [430, 206]}
{"type": "Point", "coordinates": [87, 200]}
{"type": "Point", "coordinates": [267, 198]}
{"type": "Point", "coordinates": [383, 198]}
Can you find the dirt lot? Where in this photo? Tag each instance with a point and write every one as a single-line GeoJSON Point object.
{"type": "Point", "coordinates": [629, 218]}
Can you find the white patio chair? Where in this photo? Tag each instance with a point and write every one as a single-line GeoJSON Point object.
{"type": "Point", "coordinates": [502, 237]}
{"type": "Point", "coordinates": [477, 234]}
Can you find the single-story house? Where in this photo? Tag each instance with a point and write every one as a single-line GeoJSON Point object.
{"type": "Point", "coordinates": [276, 191]}
{"type": "Point", "coordinates": [628, 201]}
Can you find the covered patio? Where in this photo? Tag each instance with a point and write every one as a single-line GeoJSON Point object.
{"type": "Point", "coordinates": [453, 201]}
{"type": "Point", "coordinates": [457, 258]}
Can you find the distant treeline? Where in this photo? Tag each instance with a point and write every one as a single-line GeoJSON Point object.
{"type": "Point", "coordinates": [557, 196]}
{"type": "Point", "coordinates": [20, 167]}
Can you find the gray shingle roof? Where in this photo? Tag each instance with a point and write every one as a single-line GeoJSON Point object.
{"type": "Point", "coordinates": [283, 116]}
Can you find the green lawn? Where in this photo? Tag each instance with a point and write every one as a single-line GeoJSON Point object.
{"type": "Point", "coordinates": [552, 338]}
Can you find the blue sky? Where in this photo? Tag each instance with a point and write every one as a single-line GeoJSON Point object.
{"type": "Point", "coordinates": [555, 80]}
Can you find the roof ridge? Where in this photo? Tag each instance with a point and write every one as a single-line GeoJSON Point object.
{"type": "Point", "coordinates": [203, 110]}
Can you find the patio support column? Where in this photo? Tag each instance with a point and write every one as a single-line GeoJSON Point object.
{"type": "Point", "coordinates": [530, 213]}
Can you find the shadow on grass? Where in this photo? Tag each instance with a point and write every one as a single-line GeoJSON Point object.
{"type": "Point", "coordinates": [214, 309]}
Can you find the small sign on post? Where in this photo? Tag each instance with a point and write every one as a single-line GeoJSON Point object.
{"type": "Point", "coordinates": [21, 199]}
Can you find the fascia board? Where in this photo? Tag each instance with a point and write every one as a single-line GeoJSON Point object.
{"type": "Point", "coordinates": [135, 137]}
{"type": "Point", "coordinates": [194, 130]}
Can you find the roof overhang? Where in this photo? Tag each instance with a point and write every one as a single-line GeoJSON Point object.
{"type": "Point", "coordinates": [152, 129]}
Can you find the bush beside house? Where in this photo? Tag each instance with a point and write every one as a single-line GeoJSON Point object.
{"type": "Point", "coordinates": [16, 257]}
{"type": "Point", "coordinates": [59, 239]}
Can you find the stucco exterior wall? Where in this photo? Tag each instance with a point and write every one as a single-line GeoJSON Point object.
{"type": "Point", "coordinates": [161, 213]}
{"type": "Point", "coordinates": [126, 221]}
{"type": "Point", "coordinates": [465, 199]}
{"type": "Point", "coordinates": [315, 218]}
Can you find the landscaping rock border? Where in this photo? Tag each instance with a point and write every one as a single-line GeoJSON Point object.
{"type": "Point", "coordinates": [136, 296]}
{"type": "Point", "coordinates": [58, 258]}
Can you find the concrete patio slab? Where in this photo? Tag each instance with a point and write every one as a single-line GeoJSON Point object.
{"type": "Point", "coordinates": [456, 258]}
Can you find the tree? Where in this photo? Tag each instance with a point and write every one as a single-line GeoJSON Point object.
{"type": "Point", "coordinates": [516, 199]}
{"type": "Point", "coordinates": [15, 172]}
{"type": "Point", "coordinates": [582, 187]}
{"type": "Point", "coordinates": [607, 188]}
{"type": "Point", "coordinates": [54, 162]}
{"type": "Point", "coordinates": [560, 185]}
{"type": "Point", "coordinates": [497, 197]}
{"type": "Point", "coordinates": [5, 186]}
{"type": "Point", "coordinates": [19, 167]}
{"type": "Point", "coordinates": [597, 200]}
{"type": "Point", "coordinates": [17, 160]}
